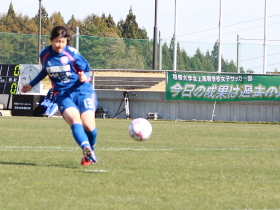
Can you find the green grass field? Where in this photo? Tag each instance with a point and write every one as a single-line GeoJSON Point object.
{"type": "Point", "coordinates": [184, 165]}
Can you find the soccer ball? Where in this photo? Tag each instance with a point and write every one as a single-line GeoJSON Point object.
{"type": "Point", "coordinates": [140, 129]}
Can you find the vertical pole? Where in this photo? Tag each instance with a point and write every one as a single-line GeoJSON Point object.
{"type": "Point", "coordinates": [126, 107]}
{"type": "Point", "coordinates": [39, 31]}
{"type": "Point", "coordinates": [220, 40]}
{"type": "Point", "coordinates": [155, 39]}
{"type": "Point", "coordinates": [175, 39]}
{"type": "Point", "coordinates": [92, 77]}
{"type": "Point", "coordinates": [238, 54]}
{"type": "Point", "coordinates": [77, 38]}
{"type": "Point", "coordinates": [160, 53]}
{"type": "Point", "coordinates": [265, 39]}
{"type": "Point", "coordinates": [213, 113]}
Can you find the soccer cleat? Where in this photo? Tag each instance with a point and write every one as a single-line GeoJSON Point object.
{"type": "Point", "coordinates": [89, 157]}
{"type": "Point", "coordinates": [85, 161]}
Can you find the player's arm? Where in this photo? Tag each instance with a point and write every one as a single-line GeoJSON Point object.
{"type": "Point", "coordinates": [82, 68]}
{"type": "Point", "coordinates": [27, 87]}
{"type": "Point", "coordinates": [82, 76]}
{"type": "Point", "coordinates": [42, 74]}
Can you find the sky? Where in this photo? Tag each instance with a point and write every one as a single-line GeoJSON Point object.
{"type": "Point", "coordinates": [197, 23]}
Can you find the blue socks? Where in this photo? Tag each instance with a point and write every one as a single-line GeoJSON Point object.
{"type": "Point", "coordinates": [82, 137]}
{"type": "Point", "coordinates": [92, 138]}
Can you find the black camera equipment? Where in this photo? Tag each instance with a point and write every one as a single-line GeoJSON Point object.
{"type": "Point", "coordinates": [126, 104]}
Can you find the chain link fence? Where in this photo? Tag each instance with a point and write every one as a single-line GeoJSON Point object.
{"type": "Point", "coordinates": [114, 53]}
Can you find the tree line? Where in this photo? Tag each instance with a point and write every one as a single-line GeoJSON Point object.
{"type": "Point", "coordinates": [105, 44]}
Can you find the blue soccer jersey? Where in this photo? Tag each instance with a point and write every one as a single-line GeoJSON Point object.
{"type": "Point", "coordinates": [62, 69]}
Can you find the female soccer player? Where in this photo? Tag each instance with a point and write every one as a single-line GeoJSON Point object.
{"type": "Point", "coordinates": [69, 73]}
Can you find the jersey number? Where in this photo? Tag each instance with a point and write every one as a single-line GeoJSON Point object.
{"type": "Point", "coordinates": [88, 103]}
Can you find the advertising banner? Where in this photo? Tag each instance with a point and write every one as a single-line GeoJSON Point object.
{"type": "Point", "coordinates": [222, 87]}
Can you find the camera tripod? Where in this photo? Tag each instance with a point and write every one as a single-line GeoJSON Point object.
{"type": "Point", "coordinates": [126, 104]}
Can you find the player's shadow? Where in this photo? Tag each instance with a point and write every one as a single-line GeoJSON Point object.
{"type": "Point", "coordinates": [9, 163]}
{"type": "Point", "coordinates": [34, 164]}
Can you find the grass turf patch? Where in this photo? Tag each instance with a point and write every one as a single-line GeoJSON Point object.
{"type": "Point", "coordinates": [184, 165]}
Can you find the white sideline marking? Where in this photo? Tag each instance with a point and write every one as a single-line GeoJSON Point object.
{"type": "Point", "coordinates": [96, 171]}
{"type": "Point", "coordinates": [132, 149]}
{"type": "Point", "coordinates": [233, 149]}
{"type": "Point", "coordinates": [31, 148]}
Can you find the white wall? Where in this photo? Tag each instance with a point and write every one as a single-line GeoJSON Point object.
{"type": "Point", "coordinates": [145, 102]}
{"type": "Point", "coordinates": [154, 102]}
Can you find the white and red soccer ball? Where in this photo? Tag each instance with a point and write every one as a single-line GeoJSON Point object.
{"type": "Point", "coordinates": [140, 129]}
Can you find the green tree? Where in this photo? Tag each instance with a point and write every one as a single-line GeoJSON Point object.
{"type": "Point", "coordinates": [248, 71]}
{"type": "Point", "coordinates": [11, 12]}
{"type": "Point", "coordinates": [28, 25]}
{"type": "Point", "coordinates": [110, 23]}
{"type": "Point", "coordinates": [215, 55]}
{"type": "Point", "coordinates": [92, 48]}
{"type": "Point", "coordinates": [199, 62]}
{"type": "Point", "coordinates": [115, 51]}
{"type": "Point", "coordinates": [129, 28]}
{"type": "Point", "coordinates": [45, 24]}
{"type": "Point", "coordinates": [167, 62]}
{"type": "Point", "coordinates": [72, 25]}
{"type": "Point", "coordinates": [132, 59]}
{"type": "Point", "coordinates": [112, 29]}
{"type": "Point", "coordinates": [2, 23]}
{"type": "Point", "coordinates": [186, 60]}
{"type": "Point", "coordinates": [146, 52]}
{"type": "Point", "coordinates": [109, 29]}
{"type": "Point", "coordinates": [209, 65]}
{"type": "Point", "coordinates": [142, 33]}
{"type": "Point", "coordinates": [181, 65]}
{"type": "Point", "coordinates": [195, 63]}
{"type": "Point", "coordinates": [229, 66]}
{"type": "Point", "coordinates": [10, 24]}
{"type": "Point", "coordinates": [7, 48]}
{"type": "Point", "coordinates": [56, 19]}
{"type": "Point", "coordinates": [10, 21]}
{"type": "Point", "coordinates": [93, 25]}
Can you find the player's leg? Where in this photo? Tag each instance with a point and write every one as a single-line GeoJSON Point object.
{"type": "Point", "coordinates": [88, 119]}
{"type": "Point", "coordinates": [87, 105]}
{"type": "Point", "coordinates": [91, 132]}
{"type": "Point", "coordinates": [71, 115]}
{"type": "Point", "coordinates": [92, 137]}
{"type": "Point", "coordinates": [87, 109]}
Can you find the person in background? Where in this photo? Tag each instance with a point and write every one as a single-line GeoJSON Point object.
{"type": "Point", "coordinates": [69, 73]}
